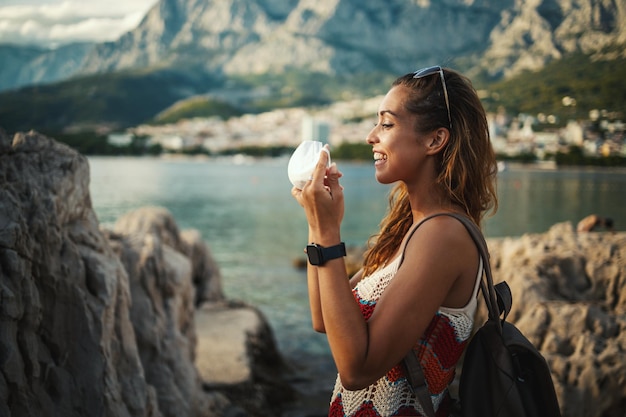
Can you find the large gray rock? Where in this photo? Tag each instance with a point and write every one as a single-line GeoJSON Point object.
{"type": "Point", "coordinates": [96, 322]}
{"type": "Point", "coordinates": [197, 259]}
{"type": "Point", "coordinates": [237, 355]}
{"type": "Point", "coordinates": [569, 299]}
{"type": "Point", "coordinates": [151, 249]}
{"type": "Point", "coordinates": [68, 346]}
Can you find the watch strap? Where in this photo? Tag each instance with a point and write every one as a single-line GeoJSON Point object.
{"type": "Point", "coordinates": [319, 255]}
{"type": "Point", "coordinates": [334, 252]}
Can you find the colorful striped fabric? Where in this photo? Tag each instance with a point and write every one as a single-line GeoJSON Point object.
{"type": "Point", "coordinates": [439, 351]}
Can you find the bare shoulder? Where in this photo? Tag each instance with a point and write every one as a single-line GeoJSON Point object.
{"type": "Point", "coordinates": [439, 266]}
{"type": "Point", "coordinates": [442, 239]}
{"type": "Point", "coordinates": [445, 228]}
{"type": "Point", "coordinates": [446, 255]}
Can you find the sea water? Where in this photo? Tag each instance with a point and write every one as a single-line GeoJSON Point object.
{"type": "Point", "coordinates": [255, 229]}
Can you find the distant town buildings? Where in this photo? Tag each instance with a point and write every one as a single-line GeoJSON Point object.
{"type": "Point", "coordinates": [120, 139]}
{"type": "Point", "coordinates": [314, 129]}
{"type": "Point", "coordinates": [601, 134]}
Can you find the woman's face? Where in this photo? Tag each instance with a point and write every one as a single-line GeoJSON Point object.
{"type": "Point", "coordinates": [398, 148]}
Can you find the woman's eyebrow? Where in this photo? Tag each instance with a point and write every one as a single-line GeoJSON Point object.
{"type": "Point", "coordinates": [383, 112]}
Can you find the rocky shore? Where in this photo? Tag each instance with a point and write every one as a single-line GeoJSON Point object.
{"type": "Point", "coordinates": [132, 321]}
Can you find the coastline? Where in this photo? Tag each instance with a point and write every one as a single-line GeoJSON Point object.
{"type": "Point", "coordinates": [130, 292]}
{"type": "Point", "coordinates": [242, 158]}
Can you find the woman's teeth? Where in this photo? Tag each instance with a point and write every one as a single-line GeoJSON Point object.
{"type": "Point", "coordinates": [379, 156]}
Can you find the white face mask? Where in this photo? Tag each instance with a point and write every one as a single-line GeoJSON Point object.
{"type": "Point", "coordinates": [303, 161]}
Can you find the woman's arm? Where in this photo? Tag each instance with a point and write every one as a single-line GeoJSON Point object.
{"type": "Point", "coordinates": [312, 271]}
{"type": "Point", "coordinates": [436, 257]}
{"type": "Point", "coordinates": [314, 295]}
{"type": "Point", "coordinates": [440, 257]}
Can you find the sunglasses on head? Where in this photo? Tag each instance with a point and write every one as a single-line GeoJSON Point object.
{"type": "Point", "coordinates": [425, 72]}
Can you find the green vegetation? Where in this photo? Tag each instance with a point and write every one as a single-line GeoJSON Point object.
{"type": "Point", "coordinates": [297, 88]}
{"type": "Point", "coordinates": [260, 151]}
{"type": "Point", "coordinates": [353, 151]}
{"type": "Point", "coordinates": [124, 99]}
{"type": "Point", "coordinates": [344, 152]}
{"type": "Point", "coordinates": [524, 158]}
{"type": "Point", "coordinates": [89, 143]}
{"type": "Point", "coordinates": [593, 84]}
{"type": "Point", "coordinates": [575, 156]}
{"type": "Point", "coordinates": [111, 101]}
{"type": "Point", "coordinates": [105, 102]}
{"type": "Point", "coordinates": [199, 106]}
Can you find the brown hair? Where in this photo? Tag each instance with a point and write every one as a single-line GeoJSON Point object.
{"type": "Point", "coordinates": [467, 168]}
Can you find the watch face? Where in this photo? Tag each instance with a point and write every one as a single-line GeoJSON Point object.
{"type": "Point", "coordinates": [315, 255]}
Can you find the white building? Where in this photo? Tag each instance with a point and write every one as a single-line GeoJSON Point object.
{"type": "Point", "coordinates": [120, 139]}
{"type": "Point", "coordinates": [313, 129]}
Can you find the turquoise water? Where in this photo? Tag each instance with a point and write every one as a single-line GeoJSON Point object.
{"type": "Point", "coordinates": [255, 229]}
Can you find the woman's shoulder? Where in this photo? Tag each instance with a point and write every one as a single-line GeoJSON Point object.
{"type": "Point", "coordinates": [441, 242]}
{"type": "Point", "coordinates": [440, 227]}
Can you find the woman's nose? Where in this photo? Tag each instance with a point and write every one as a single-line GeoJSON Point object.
{"type": "Point", "coordinates": [371, 138]}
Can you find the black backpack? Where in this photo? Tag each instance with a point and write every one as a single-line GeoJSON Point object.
{"type": "Point", "coordinates": [503, 374]}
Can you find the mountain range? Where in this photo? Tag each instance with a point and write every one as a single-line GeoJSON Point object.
{"type": "Point", "coordinates": [247, 50]}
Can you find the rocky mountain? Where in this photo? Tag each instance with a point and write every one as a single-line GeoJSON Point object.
{"type": "Point", "coordinates": [240, 37]}
{"type": "Point", "coordinates": [28, 65]}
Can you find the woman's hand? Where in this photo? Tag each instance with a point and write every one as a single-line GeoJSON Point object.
{"type": "Point", "coordinates": [322, 199]}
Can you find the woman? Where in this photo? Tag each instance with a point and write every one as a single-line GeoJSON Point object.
{"type": "Point", "coordinates": [417, 288]}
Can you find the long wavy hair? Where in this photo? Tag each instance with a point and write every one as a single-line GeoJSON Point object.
{"type": "Point", "coordinates": [467, 165]}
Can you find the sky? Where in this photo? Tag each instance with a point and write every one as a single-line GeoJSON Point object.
{"type": "Point", "coordinates": [50, 23]}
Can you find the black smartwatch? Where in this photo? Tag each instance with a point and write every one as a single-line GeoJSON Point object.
{"type": "Point", "coordinates": [319, 255]}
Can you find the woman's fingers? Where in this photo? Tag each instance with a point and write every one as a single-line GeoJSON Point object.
{"type": "Point", "coordinates": [332, 179]}
{"type": "Point", "coordinates": [319, 172]}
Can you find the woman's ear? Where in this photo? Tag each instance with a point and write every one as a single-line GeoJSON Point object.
{"type": "Point", "coordinates": [438, 140]}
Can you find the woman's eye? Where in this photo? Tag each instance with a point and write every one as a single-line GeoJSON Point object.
{"type": "Point", "coordinates": [383, 125]}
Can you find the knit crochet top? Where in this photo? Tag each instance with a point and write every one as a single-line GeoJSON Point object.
{"type": "Point", "coordinates": [438, 350]}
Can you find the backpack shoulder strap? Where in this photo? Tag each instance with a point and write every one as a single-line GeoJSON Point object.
{"type": "Point", "coordinates": [488, 289]}
{"type": "Point", "coordinates": [489, 292]}
{"type": "Point", "coordinates": [498, 302]}
{"type": "Point", "coordinates": [417, 382]}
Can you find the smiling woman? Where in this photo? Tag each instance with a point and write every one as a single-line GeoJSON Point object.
{"type": "Point", "coordinates": [52, 23]}
{"type": "Point", "coordinates": [431, 140]}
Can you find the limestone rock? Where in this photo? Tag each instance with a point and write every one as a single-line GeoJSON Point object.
{"type": "Point", "coordinates": [67, 345]}
{"type": "Point", "coordinates": [96, 322]}
{"type": "Point", "coordinates": [237, 355]}
{"type": "Point", "coordinates": [207, 278]}
{"type": "Point", "coordinates": [342, 37]}
{"type": "Point", "coordinates": [569, 299]}
{"type": "Point", "coordinates": [158, 222]}
{"type": "Point", "coordinates": [149, 246]}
